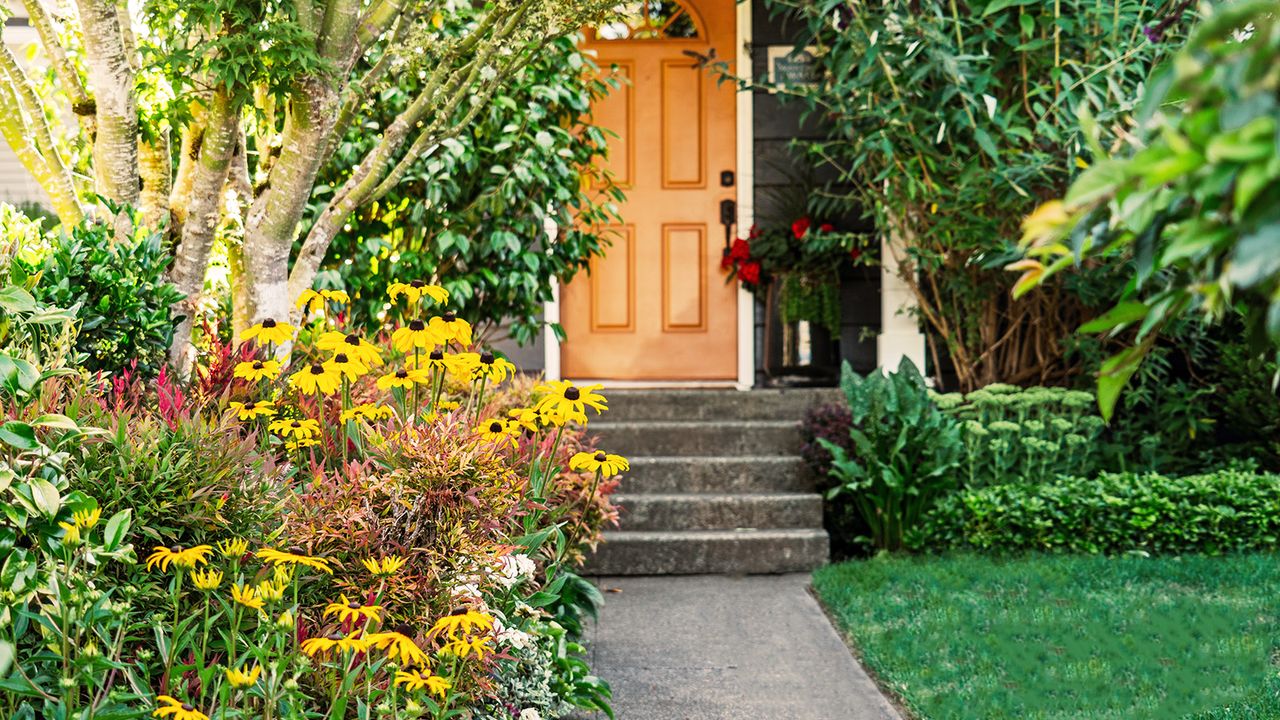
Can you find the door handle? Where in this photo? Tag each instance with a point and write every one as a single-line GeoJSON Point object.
{"type": "Point", "coordinates": [728, 218]}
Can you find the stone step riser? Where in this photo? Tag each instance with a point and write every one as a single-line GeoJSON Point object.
{"type": "Point", "coordinates": [715, 405]}
{"type": "Point", "coordinates": [717, 475]}
{"type": "Point", "coordinates": [727, 439]}
{"type": "Point", "coordinates": [743, 552]}
{"type": "Point", "coordinates": [719, 512]}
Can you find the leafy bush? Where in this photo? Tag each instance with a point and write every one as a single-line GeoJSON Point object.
{"type": "Point", "coordinates": [120, 292]}
{"type": "Point", "coordinates": [904, 451]}
{"type": "Point", "coordinates": [1224, 511]}
{"type": "Point", "coordinates": [1011, 434]}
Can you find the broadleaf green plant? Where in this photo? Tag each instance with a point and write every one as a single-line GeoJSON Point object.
{"type": "Point", "coordinates": [905, 451]}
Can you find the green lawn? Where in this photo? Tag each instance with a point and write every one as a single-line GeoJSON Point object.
{"type": "Point", "coordinates": [1066, 637]}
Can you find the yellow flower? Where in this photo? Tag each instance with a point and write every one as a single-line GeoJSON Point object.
{"type": "Point", "coordinates": [353, 345]}
{"type": "Point", "coordinates": [436, 360]}
{"type": "Point", "coordinates": [208, 579]}
{"type": "Point", "coordinates": [464, 620]}
{"type": "Point", "coordinates": [322, 645]}
{"type": "Point", "coordinates": [72, 536]}
{"type": "Point", "coordinates": [346, 365]}
{"type": "Point", "coordinates": [294, 445]}
{"type": "Point", "coordinates": [450, 327]}
{"type": "Point", "coordinates": [253, 409]}
{"type": "Point", "coordinates": [285, 621]}
{"type": "Point", "coordinates": [389, 565]}
{"type": "Point", "coordinates": [527, 418]}
{"type": "Point", "coordinates": [300, 429]}
{"type": "Point", "coordinates": [606, 465]}
{"type": "Point", "coordinates": [233, 549]}
{"type": "Point", "coordinates": [368, 411]}
{"type": "Point", "coordinates": [255, 370]}
{"type": "Point", "coordinates": [486, 365]}
{"type": "Point", "coordinates": [462, 648]}
{"type": "Point", "coordinates": [271, 591]}
{"type": "Point", "coordinates": [448, 405]}
{"type": "Point", "coordinates": [317, 378]}
{"type": "Point", "coordinates": [496, 431]}
{"type": "Point", "coordinates": [399, 647]}
{"type": "Point", "coordinates": [564, 402]}
{"type": "Point", "coordinates": [269, 331]}
{"type": "Point", "coordinates": [402, 379]}
{"type": "Point", "coordinates": [246, 596]}
{"type": "Point", "coordinates": [86, 518]}
{"type": "Point", "coordinates": [188, 558]}
{"type": "Point", "coordinates": [177, 709]}
{"type": "Point", "coordinates": [415, 335]}
{"type": "Point", "coordinates": [463, 366]}
{"type": "Point", "coordinates": [280, 557]}
{"type": "Point", "coordinates": [1047, 224]}
{"type": "Point", "coordinates": [243, 679]}
{"type": "Point", "coordinates": [419, 679]}
{"type": "Point", "coordinates": [311, 300]}
{"type": "Point", "coordinates": [352, 610]}
{"type": "Point", "coordinates": [414, 290]}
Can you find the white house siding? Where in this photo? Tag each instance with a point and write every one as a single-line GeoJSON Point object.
{"type": "Point", "coordinates": [16, 184]}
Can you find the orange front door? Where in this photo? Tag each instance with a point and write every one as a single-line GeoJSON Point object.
{"type": "Point", "coordinates": [656, 306]}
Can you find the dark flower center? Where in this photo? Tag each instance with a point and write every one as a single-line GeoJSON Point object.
{"type": "Point", "coordinates": [460, 610]}
{"type": "Point", "coordinates": [175, 549]}
{"type": "Point", "coordinates": [340, 358]}
{"type": "Point", "coordinates": [436, 354]}
{"type": "Point", "coordinates": [188, 707]}
{"type": "Point", "coordinates": [572, 394]}
{"type": "Point", "coordinates": [353, 339]}
{"type": "Point", "coordinates": [450, 316]}
{"type": "Point", "coordinates": [250, 405]}
{"type": "Point", "coordinates": [257, 365]}
{"type": "Point", "coordinates": [402, 374]}
{"type": "Point", "coordinates": [296, 424]}
{"type": "Point", "coordinates": [486, 358]}
{"type": "Point", "coordinates": [268, 323]}
{"type": "Point", "coordinates": [601, 457]}
{"type": "Point", "coordinates": [335, 636]}
{"type": "Point", "coordinates": [317, 369]}
{"type": "Point", "coordinates": [495, 426]}
{"type": "Point", "coordinates": [416, 325]}
{"type": "Point", "coordinates": [416, 283]}
{"type": "Point", "coordinates": [353, 605]}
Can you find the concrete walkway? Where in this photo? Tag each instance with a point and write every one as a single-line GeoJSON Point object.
{"type": "Point", "coordinates": [713, 648]}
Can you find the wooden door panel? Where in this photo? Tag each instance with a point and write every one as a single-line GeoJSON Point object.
{"type": "Point", "coordinates": [656, 306]}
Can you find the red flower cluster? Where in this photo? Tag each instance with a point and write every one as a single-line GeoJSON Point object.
{"type": "Point", "coordinates": [737, 260]}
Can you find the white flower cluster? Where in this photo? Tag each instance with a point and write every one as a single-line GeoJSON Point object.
{"type": "Point", "coordinates": [513, 569]}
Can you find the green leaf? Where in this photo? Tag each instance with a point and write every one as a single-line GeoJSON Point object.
{"type": "Point", "coordinates": [16, 300]}
{"type": "Point", "coordinates": [46, 497]}
{"type": "Point", "coordinates": [19, 435]}
{"type": "Point", "coordinates": [117, 529]}
{"type": "Point", "coordinates": [986, 143]}
{"type": "Point", "coordinates": [7, 654]}
{"type": "Point", "coordinates": [1122, 314]}
{"type": "Point", "coordinates": [998, 5]}
{"type": "Point", "coordinates": [1098, 181]}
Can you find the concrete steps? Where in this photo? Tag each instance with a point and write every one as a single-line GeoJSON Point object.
{"type": "Point", "coordinates": [715, 486]}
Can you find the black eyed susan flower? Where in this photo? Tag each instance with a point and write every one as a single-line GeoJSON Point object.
{"type": "Point", "coordinates": [346, 365]}
{"type": "Point", "coordinates": [300, 443]}
{"type": "Point", "coordinates": [71, 534]}
{"type": "Point", "coordinates": [352, 610]}
{"type": "Point", "coordinates": [271, 591]}
{"type": "Point", "coordinates": [86, 518]}
{"type": "Point", "coordinates": [312, 300]}
{"type": "Point", "coordinates": [353, 345]}
{"type": "Point", "coordinates": [493, 369]}
{"type": "Point", "coordinates": [404, 379]}
{"type": "Point", "coordinates": [178, 557]}
{"type": "Point", "coordinates": [462, 620]}
{"type": "Point", "coordinates": [232, 549]}
{"type": "Point", "coordinates": [601, 462]}
{"type": "Point", "coordinates": [253, 409]}
{"type": "Point", "coordinates": [247, 596]}
{"type": "Point", "coordinates": [462, 648]}
{"type": "Point", "coordinates": [269, 331]}
{"type": "Point", "coordinates": [451, 328]}
{"type": "Point", "coordinates": [415, 335]}
{"type": "Point", "coordinates": [415, 290]}
{"type": "Point", "coordinates": [368, 411]}
{"type": "Point", "coordinates": [243, 678]}
{"type": "Point", "coordinates": [317, 378]}
{"type": "Point", "coordinates": [384, 568]}
{"type": "Point", "coordinates": [448, 405]}
{"type": "Point", "coordinates": [497, 431]}
{"type": "Point", "coordinates": [334, 641]}
{"type": "Point", "coordinates": [175, 709]}
{"type": "Point", "coordinates": [399, 648]}
{"type": "Point", "coordinates": [563, 402]}
{"type": "Point", "coordinates": [529, 419]}
{"type": "Point", "coordinates": [299, 429]}
{"type": "Point", "coordinates": [281, 557]}
{"type": "Point", "coordinates": [414, 680]}
{"type": "Point", "coordinates": [435, 360]}
{"type": "Point", "coordinates": [207, 579]}
{"type": "Point", "coordinates": [255, 370]}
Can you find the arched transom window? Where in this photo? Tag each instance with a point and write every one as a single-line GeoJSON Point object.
{"type": "Point", "coordinates": [650, 20]}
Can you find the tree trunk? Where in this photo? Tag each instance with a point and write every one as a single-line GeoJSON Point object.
{"type": "Point", "coordinates": [111, 78]}
{"type": "Point", "coordinates": [155, 165]}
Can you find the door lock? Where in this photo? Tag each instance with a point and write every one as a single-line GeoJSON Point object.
{"type": "Point", "coordinates": [728, 218]}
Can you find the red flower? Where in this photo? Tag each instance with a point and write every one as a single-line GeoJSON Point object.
{"type": "Point", "coordinates": [755, 232]}
{"type": "Point", "coordinates": [826, 227]}
{"type": "Point", "coordinates": [741, 250]}
{"type": "Point", "coordinates": [855, 253]}
{"type": "Point", "coordinates": [750, 272]}
{"type": "Point", "coordinates": [800, 227]}
{"type": "Point", "coordinates": [726, 261]}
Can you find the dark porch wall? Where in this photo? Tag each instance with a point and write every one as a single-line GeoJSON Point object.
{"type": "Point", "coordinates": [776, 124]}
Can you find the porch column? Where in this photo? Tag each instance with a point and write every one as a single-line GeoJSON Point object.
{"type": "Point", "coordinates": [900, 334]}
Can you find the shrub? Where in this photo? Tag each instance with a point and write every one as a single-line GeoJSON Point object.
{"type": "Point", "coordinates": [124, 301]}
{"type": "Point", "coordinates": [1224, 511]}
{"type": "Point", "coordinates": [904, 451]}
{"type": "Point", "coordinates": [1011, 434]}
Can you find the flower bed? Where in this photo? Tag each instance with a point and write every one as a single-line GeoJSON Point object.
{"type": "Point", "coordinates": [331, 528]}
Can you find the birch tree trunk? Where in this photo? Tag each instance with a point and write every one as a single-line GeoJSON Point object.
{"type": "Point", "coordinates": [111, 78]}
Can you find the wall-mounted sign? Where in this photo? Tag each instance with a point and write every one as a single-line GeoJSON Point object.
{"type": "Point", "coordinates": [789, 67]}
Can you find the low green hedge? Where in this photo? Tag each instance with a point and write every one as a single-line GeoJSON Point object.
{"type": "Point", "coordinates": [1228, 510]}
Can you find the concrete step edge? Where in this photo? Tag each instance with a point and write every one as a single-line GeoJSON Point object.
{"type": "Point", "coordinates": [781, 496]}
{"type": "Point", "coordinates": [621, 536]}
{"type": "Point", "coordinates": [688, 424]}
